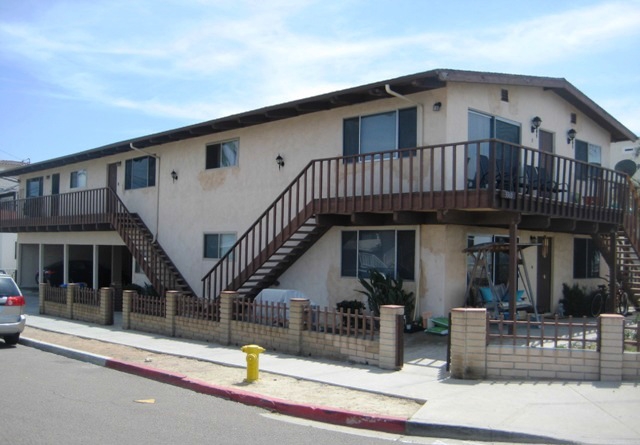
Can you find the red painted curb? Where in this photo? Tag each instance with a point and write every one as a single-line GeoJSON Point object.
{"type": "Point", "coordinates": [354, 419]}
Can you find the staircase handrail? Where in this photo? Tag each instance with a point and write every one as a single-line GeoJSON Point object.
{"type": "Point", "coordinates": [313, 186]}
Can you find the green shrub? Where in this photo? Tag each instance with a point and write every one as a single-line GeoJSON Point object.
{"type": "Point", "coordinates": [356, 306]}
{"type": "Point", "coordinates": [381, 290]}
{"type": "Point", "coordinates": [575, 300]}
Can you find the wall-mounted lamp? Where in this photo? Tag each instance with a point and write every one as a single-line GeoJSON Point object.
{"type": "Point", "coordinates": [280, 162]}
{"type": "Point", "coordinates": [535, 124]}
{"type": "Point", "coordinates": [437, 106]}
{"type": "Point", "coordinates": [174, 175]}
{"type": "Point", "coordinates": [571, 135]}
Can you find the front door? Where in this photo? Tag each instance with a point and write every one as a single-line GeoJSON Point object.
{"type": "Point", "coordinates": [112, 177]}
{"type": "Point", "coordinates": [543, 287]}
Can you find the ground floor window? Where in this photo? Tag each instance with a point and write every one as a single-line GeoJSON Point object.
{"type": "Point", "coordinates": [218, 244]}
{"type": "Point", "coordinates": [391, 252]}
{"type": "Point", "coordinates": [586, 259]}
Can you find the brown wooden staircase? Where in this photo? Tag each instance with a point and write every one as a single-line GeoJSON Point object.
{"type": "Point", "coordinates": [423, 185]}
{"type": "Point", "coordinates": [146, 250]}
{"type": "Point", "coordinates": [626, 243]}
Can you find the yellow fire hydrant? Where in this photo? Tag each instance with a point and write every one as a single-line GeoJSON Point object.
{"type": "Point", "coordinates": [253, 365]}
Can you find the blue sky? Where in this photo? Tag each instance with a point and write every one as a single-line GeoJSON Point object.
{"type": "Point", "coordinates": [77, 74]}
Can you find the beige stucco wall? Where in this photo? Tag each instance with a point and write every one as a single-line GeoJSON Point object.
{"type": "Point", "coordinates": [228, 200]}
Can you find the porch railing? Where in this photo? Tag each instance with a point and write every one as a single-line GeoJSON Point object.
{"type": "Point", "coordinates": [486, 174]}
{"type": "Point", "coordinates": [97, 208]}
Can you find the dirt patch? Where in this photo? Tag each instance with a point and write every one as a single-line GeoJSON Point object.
{"type": "Point", "coordinates": [287, 388]}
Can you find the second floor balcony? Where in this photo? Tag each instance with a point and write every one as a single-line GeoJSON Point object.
{"type": "Point", "coordinates": [424, 185]}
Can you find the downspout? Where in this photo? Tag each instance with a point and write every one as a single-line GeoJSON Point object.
{"type": "Point", "coordinates": [389, 91]}
{"type": "Point", "coordinates": [387, 88]}
{"type": "Point", "coordinates": [155, 235]}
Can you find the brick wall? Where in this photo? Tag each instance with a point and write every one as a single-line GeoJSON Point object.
{"type": "Point", "coordinates": [102, 314]}
{"type": "Point", "coordinates": [472, 358]}
{"type": "Point", "coordinates": [292, 340]}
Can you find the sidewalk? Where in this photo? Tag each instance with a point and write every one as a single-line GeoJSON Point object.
{"type": "Point", "coordinates": [507, 411]}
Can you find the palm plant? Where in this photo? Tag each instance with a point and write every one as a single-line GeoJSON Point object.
{"type": "Point", "coordinates": [382, 289]}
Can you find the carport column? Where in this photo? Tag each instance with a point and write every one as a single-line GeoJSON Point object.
{"type": "Point", "coordinates": [296, 323]}
{"type": "Point", "coordinates": [389, 335]}
{"type": "Point", "coordinates": [226, 315]}
{"type": "Point", "coordinates": [468, 339]}
{"type": "Point", "coordinates": [42, 289]}
{"type": "Point", "coordinates": [172, 299]}
{"type": "Point", "coordinates": [127, 297]}
{"type": "Point", "coordinates": [106, 305]}
{"type": "Point", "coordinates": [611, 347]}
{"type": "Point", "coordinates": [71, 291]}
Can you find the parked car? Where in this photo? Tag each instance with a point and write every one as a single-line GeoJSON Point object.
{"type": "Point", "coordinates": [80, 271]}
{"type": "Point", "coordinates": [12, 317]}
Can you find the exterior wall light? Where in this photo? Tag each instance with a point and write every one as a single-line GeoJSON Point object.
{"type": "Point", "coordinates": [571, 135]}
{"type": "Point", "coordinates": [174, 175]}
{"type": "Point", "coordinates": [535, 124]}
{"type": "Point", "coordinates": [437, 106]}
{"type": "Point", "coordinates": [280, 162]}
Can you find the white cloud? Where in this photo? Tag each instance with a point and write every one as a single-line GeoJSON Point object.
{"type": "Point", "coordinates": [213, 58]}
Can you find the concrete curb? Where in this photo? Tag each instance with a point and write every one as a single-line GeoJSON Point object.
{"type": "Point", "coordinates": [354, 419]}
{"type": "Point", "coordinates": [388, 424]}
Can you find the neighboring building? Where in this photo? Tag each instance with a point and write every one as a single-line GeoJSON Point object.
{"type": "Point", "coordinates": [8, 192]}
{"type": "Point", "coordinates": [188, 194]}
{"type": "Point", "coordinates": [624, 155]}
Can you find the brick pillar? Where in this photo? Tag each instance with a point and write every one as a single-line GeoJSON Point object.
{"type": "Point", "coordinates": [71, 291]}
{"type": "Point", "coordinates": [389, 336]}
{"type": "Point", "coordinates": [106, 305]}
{"type": "Point", "coordinates": [127, 296]}
{"type": "Point", "coordinates": [468, 333]}
{"type": "Point", "coordinates": [170, 321]}
{"type": "Point", "coordinates": [226, 314]}
{"type": "Point", "coordinates": [296, 323]}
{"type": "Point", "coordinates": [611, 347]}
{"type": "Point", "coordinates": [42, 289]}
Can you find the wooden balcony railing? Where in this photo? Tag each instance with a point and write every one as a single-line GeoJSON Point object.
{"type": "Point", "coordinates": [96, 209]}
{"type": "Point", "coordinates": [486, 174]}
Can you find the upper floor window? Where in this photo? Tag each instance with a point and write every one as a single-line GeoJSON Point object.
{"type": "Point", "coordinates": [78, 179]}
{"type": "Point", "coordinates": [140, 173]}
{"type": "Point", "coordinates": [222, 154]}
{"type": "Point", "coordinates": [589, 153]}
{"type": "Point", "coordinates": [34, 187]}
{"type": "Point", "coordinates": [390, 252]}
{"type": "Point", "coordinates": [392, 130]}
{"type": "Point", "coordinates": [217, 244]}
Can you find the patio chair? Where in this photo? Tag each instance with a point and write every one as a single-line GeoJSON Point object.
{"type": "Point", "coordinates": [481, 178]}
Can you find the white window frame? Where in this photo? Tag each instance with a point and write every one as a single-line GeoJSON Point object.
{"type": "Point", "coordinates": [80, 179]}
{"type": "Point", "coordinates": [220, 146]}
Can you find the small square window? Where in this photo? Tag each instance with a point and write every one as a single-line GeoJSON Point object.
{"type": "Point", "coordinates": [574, 118]}
{"type": "Point", "coordinates": [223, 154]}
{"type": "Point", "coordinates": [216, 245]}
{"type": "Point", "coordinates": [78, 179]}
{"type": "Point", "coordinates": [504, 95]}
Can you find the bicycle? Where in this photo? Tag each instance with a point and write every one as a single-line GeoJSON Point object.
{"type": "Point", "coordinates": [600, 296]}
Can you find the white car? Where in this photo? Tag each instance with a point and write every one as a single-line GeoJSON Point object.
{"type": "Point", "coordinates": [12, 317]}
